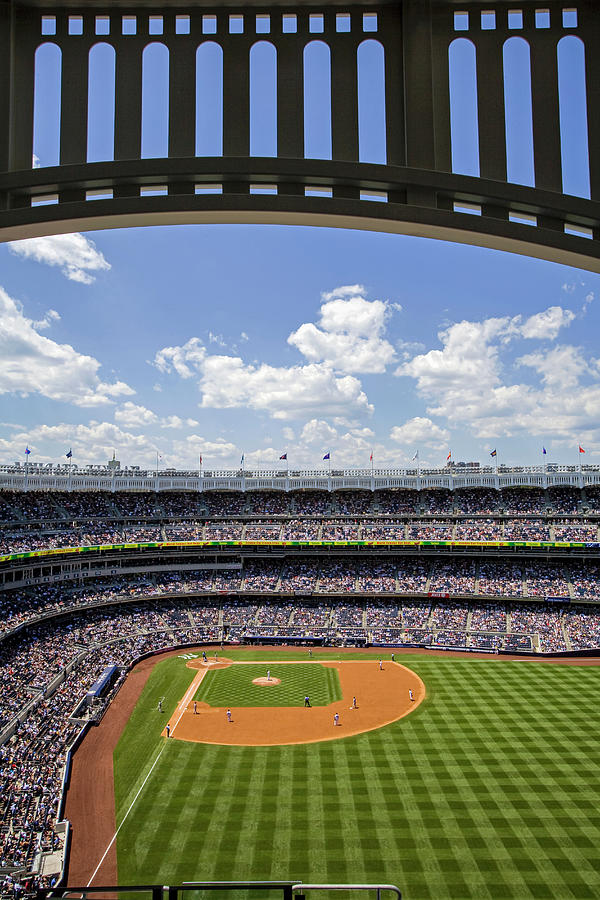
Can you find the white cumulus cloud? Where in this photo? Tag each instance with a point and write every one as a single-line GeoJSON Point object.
{"type": "Point", "coordinates": [468, 381]}
{"type": "Point", "coordinates": [546, 325]}
{"type": "Point", "coordinates": [185, 360]}
{"type": "Point", "coordinates": [419, 431]}
{"type": "Point", "coordinates": [31, 363]}
{"type": "Point", "coordinates": [284, 393]}
{"type": "Point", "coordinates": [76, 255]}
{"type": "Point", "coordinates": [130, 415]}
{"type": "Point", "coordinates": [349, 336]}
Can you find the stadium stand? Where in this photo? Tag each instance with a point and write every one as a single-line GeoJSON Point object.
{"type": "Point", "coordinates": [64, 622]}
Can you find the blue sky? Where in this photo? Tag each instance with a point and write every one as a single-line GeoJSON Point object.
{"type": "Point", "coordinates": [264, 340]}
{"type": "Point", "coordinates": [218, 340]}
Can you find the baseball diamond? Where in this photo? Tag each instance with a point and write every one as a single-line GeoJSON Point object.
{"type": "Point", "coordinates": [270, 720]}
{"type": "Point", "coordinates": [488, 786]}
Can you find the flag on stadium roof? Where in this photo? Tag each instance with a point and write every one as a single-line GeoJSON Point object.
{"type": "Point", "coordinates": [494, 452]}
{"type": "Point", "coordinates": [371, 457]}
{"type": "Point", "coordinates": [416, 456]}
{"type": "Point", "coordinates": [242, 460]}
{"type": "Point", "coordinates": [327, 455]}
{"type": "Point", "coordinates": [449, 455]}
{"type": "Point", "coordinates": [200, 459]}
{"type": "Point", "coordinates": [283, 456]}
{"type": "Point", "coordinates": [581, 450]}
{"type": "Point", "coordinates": [27, 451]}
{"type": "Point", "coordinates": [544, 450]}
{"type": "Point", "coordinates": [69, 454]}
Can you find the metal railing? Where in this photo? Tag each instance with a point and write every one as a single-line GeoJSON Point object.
{"type": "Point", "coordinates": [290, 890]}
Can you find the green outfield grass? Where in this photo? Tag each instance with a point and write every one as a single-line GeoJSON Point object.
{"type": "Point", "coordinates": [490, 789]}
{"type": "Point", "coordinates": [234, 687]}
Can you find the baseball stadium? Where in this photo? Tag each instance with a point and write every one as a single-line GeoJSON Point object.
{"type": "Point", "coordinates": [358, 678]}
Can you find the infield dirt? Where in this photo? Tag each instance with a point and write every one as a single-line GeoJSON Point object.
{"type": "Point", "coordinates": [382, 697]}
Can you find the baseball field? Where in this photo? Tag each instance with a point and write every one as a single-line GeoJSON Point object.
{"type": "Point", "coordinates": [489, 787]}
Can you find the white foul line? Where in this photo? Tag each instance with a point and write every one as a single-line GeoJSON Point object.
{"type": "Point", "coordinates": [114, 837]}
{"type": "Point", "coordinates": [187, 696]}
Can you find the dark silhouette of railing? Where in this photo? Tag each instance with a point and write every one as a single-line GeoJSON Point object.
{"type": "Point", "coordinates": [289, 890]}
{"type": "Point", "coordinates": [414, 192]}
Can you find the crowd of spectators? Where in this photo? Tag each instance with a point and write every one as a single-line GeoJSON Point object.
{"type": "Point", "coordinates": [564, 500]}
{"type": "Point", "coordinates": [383, 531]}
{"type": "Point", "coordinates": [411, 576]}
{"type": "Point", "coordinates": [585, 580]}
{"type": "Point", "coordinates": [449, 616]}
{"type": "Point", "coordinates": [545, 579]}
{"type": "Point", "coordinates": [591, 502]}
{"type": "Point", "coordinates": [300, 530]}
{"type": "Point", "coordinates": [261, 576]}
{"type": "Point", "coordinates": [543, 620]}
{"type": "Point", "coordinates": [476, 501]}
{"type": "Point", "coordinates": [491, 617]}
{"type": "Point", "coordinates": [526, 530]}
{"type": "Point", "coordinates": [340, 531]}
{"type": "Point", "coordinates": [522, 501]}
{"type": "Point", "coordinates": [583, 627]}
{"type": "Point", "coordinates": [453, 576]}
{"type": "Point", "coordinates": [300, 576]}
{"type": "Point", "coordinates": [430, 530]}
{"type": "Point", "coordinates": [42, 520]}
{"type": "Point", "coordinates": [20, 539]}
{"type": "Point", "coordinates": [32, 760]}
{"type": "Point", "coordinates": [575, 531]}
{"type": "Point", "coordinates": [500, 578]}
{"type": "Point", "coordinates": [336, 576]}
{"type": "Point", "coordinates": [83, 506]}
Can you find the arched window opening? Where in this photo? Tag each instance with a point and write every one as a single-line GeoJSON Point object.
{"type": "Point", "coordinates": [101, 104]}
{"type": "Point", "coordinates": [155, 101]}
{"type": "Point", "coordinates": [209, 99]}
{"type": "Point", "coordinates": [518, 116]}
{"type": "Point", "coordinates": [317, 101]}
{"type": "Point", "coordinates": [371, 102]}
{"type": "Point", "coordinates": [46, 105]}
{"type": "Point", "coordinates": [464, 124]}
{"type": "Point", "coordinates": [573, 116]}
{"type": "Point", "coordinates": [263, 99]}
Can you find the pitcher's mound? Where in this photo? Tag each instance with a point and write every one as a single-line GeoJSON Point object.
{"type": "Point", "coordinates": [266, 681]}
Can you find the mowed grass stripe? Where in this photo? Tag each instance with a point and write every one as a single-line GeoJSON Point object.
{"type": "Point", "coordinates": [488, 789]}
{"type": "Point", "coordinates": [335, 814]}
{"type": "Point", "coordinates": [141, 741]}
{"type": "Point", "coordinates": [234, 686]}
